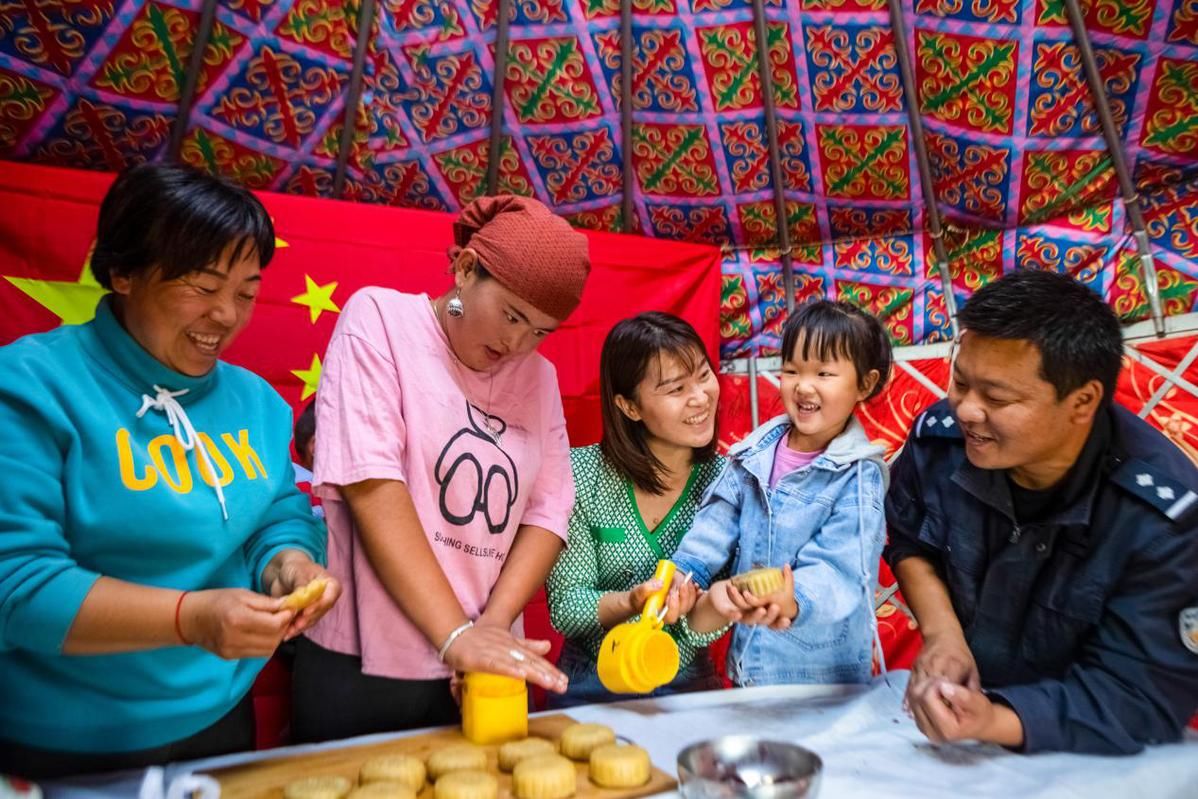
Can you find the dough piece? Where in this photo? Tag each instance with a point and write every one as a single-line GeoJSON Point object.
{"type": "Point", "coordinates": [383, 790]}
{"type": "Point", "coordinates": [513, 752]}
{"type": "Point", "coordinates": [318, 788]}
{"type": "Point", "coordinates": [461, 757]}
{"type": "Point", "coordinates": [305, 595]}
{"type": "Point", "coordinates": [466, 785]}
{"type": "Point", "coordinates": [619, 766]}
{"type": "Point", "coordinates": [544, 777]}
{"type": "Point", "coordinates": [403, 769]}
{"type": "Point", "coordinates": [760, 582]}
{"type": "Point", "coordinates": [578, 740]}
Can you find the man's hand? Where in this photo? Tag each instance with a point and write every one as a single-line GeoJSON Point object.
{"type": "Point", "coordinates": [946, 712]}
{"type": "Point", "coordinates": [944, 656]}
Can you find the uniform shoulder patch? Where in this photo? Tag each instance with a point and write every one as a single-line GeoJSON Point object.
{"type": "Point", "coordinates": [1160, 491]}
{"type": "Point", "coordinates": [1187, 626]}
{"type": "Point", "coordinates": [937, 422]}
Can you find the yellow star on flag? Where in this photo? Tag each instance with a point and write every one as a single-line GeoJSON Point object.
{"type": "Point", "coordinates": [318, 298]}
{"type": "Point", "coordinates": [72, 301]}
{"type": "Point", "coordinates": [310, 377]}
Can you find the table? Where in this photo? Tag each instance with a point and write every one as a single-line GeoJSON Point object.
{"type": "Point", "coordinates": [870, 748]}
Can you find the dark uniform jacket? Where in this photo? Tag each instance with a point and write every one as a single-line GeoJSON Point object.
{"type": "Point", "coordinates": [1077, 618]}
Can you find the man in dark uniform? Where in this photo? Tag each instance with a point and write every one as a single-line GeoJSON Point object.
{"type": "Point", "coordinates": [1046, 539]}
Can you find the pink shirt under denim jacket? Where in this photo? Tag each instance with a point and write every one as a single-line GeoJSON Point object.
{"type": "Point", "coordinates": [396, 404]}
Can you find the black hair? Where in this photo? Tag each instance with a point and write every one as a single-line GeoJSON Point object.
{"type": "Point", "coordinates": [629, 348]}
{"type": "Point", "coordinates": [829, 329]}
{"type": "Point", "coordinates": [1077, 334]}
{"type": "Point", "coordinates": [178, 220]}
{"type": "Point", "coordinates": [305, 427]}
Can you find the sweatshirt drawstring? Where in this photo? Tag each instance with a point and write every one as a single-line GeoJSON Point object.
{"type": "Point", "coordinates": [185, 433]}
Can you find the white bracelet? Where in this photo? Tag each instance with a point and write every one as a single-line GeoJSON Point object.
{"type": "Point", "coordinates": [453, 636]}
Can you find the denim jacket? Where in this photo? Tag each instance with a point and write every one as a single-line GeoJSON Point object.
{"type": "Point", "coordinates": [826, 520]}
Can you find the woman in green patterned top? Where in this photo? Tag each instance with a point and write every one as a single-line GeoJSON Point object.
{"type": "Point", "coordinates": [636, 494]}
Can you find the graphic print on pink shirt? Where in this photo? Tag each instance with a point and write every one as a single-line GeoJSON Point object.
{"type": "Point", "coordinates": [460, 473]}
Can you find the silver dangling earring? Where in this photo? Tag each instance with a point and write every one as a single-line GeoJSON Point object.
{"type": "Point", "coordinates": [454, 307]}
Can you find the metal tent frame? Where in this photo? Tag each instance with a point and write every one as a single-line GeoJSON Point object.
{"type": "Point", "coordinates": [934, 224]}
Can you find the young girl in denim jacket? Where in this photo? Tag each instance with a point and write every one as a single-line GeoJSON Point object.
{"type": "Point", "coordinates": [804, 492]}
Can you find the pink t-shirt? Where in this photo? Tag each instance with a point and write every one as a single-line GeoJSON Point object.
{"type": "Point", "coordinates": [395, 403]}
{"type": "Point", "coordinates": [786, 460]}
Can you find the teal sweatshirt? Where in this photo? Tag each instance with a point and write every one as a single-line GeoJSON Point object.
{"type": "Point", "coordinates": [89, 488]}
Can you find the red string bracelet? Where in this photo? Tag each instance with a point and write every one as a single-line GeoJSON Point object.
{"type": "Point", "coordinates": [178, 626]}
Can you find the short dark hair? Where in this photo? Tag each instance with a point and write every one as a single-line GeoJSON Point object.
{"type": "Point", "coordinates": [305, 427]}
{"type": "Point", "coordinates": [627, 351]}
{"type": "Point", "coordinates": [836, 329]}
{"type": "Point", "coordinates": [178, 220]}
{"type": "Point", "coordinates": [1077, 334]}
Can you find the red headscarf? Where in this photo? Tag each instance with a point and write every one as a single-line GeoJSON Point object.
{"type": "Point", "coordinates": [527, 248]}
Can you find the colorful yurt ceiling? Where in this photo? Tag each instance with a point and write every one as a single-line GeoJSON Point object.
{"type": "Point", "coordinates": [1020, 172]}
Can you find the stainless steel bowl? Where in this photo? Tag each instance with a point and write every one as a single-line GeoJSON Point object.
{"type": "Point", "coordinates": [744, 766]}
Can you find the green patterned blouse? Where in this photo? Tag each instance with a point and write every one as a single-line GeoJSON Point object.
{"type": "Point", "coordinates": [611, 549]}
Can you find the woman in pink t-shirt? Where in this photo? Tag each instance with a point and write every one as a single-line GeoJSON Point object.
{"type": "Point", "coordinates": [443, 463]}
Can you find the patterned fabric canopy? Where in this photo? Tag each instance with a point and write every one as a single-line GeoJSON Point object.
{"type": "Point", "coordinates": [1018, 161]}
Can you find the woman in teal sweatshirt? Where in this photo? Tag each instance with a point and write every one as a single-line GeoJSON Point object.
{"type": "Point", "coordinates": [149, 520]}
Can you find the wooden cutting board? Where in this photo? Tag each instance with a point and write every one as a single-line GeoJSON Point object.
{"type": "Point", "coordinates": [266, 779]}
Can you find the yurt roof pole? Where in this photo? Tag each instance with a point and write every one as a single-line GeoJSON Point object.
{"type": "Point", "coordinates": [191, 78]}
{"type": "Point", "coordinates": [495, 154]}
{"type": "Point", "coordinates": [935, 229]}
{"type": "Point", "coordinates": [353, 96]}
{"type": "Point", "coordinates": [781, 218]}
{"type": "Point", "coordinates": [1114, 145]}
{"type": "Point", "coordinates": [626, 209]}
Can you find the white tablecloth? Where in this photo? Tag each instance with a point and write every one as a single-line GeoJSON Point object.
{"type": "Point", "coordinates": [870, 748]}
